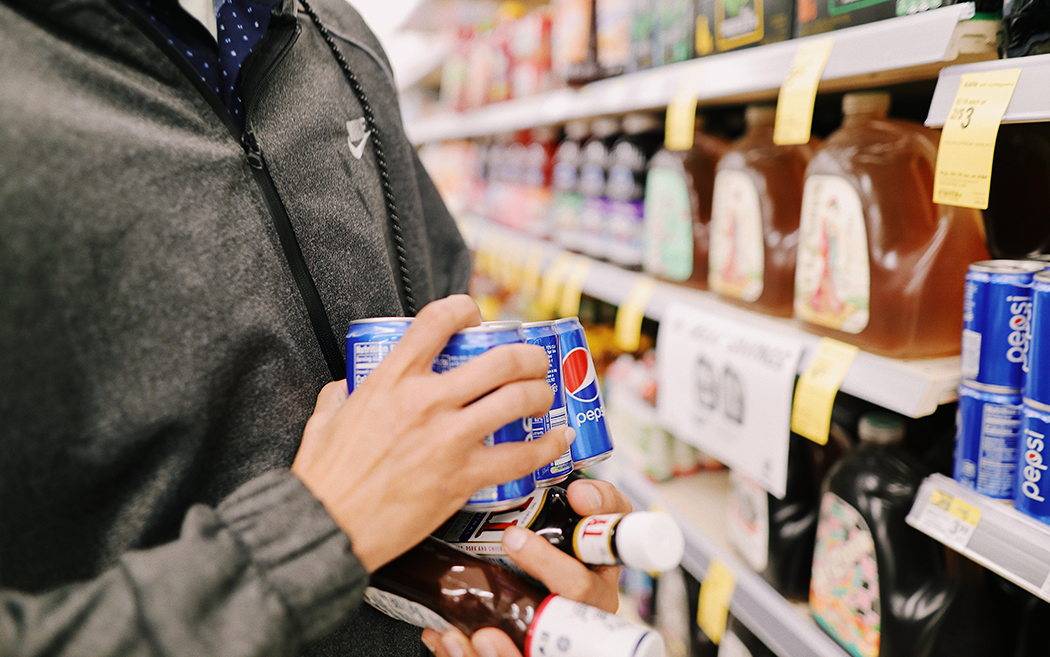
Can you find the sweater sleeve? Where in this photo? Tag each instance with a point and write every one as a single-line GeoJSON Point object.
{"type": "Point", "coordinates": [262, 574]}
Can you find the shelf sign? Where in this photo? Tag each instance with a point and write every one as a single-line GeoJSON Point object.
{"type": "Point", "coordinates": [949, 520]}
{"type": "Point", "coordinates": [817, 387]}
{"type": "Point", "coordinates": [571, 292]}
{"type": "Point", "coordinates": [725, 387]}
{"type": "Point", "coordinates": [681, 111]}
{"type": "Point", "coordinates": [964, 158]}
{"type": "Point", "coordinates": [628, 331]}
{"type": "Point", "coordinates": [553, 279]}
{"type": "Point", "coordinates": [799, 92]}
{"type": "Point", "coordinates": [530, 276]}
{"type": "Point", "coordinates": [712, 609]}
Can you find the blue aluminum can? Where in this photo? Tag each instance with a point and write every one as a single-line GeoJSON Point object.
{"type": "Point", "coordinates": [544, 335]}
{"type": "Point", "coordinates": [1032, 489]}
{"type": "Point", "coordinates": [997, 312]}
{"type": "Point", "coordinates": [368, 341]}
{"type": "Point", "coordinates": [463, 346]}
{"type": "Point", "coordinates": [583, 395]}
{"type": "Point", "coordinates": [1037, 382]}
{"type": "Point", "coordinates": [987, 425]}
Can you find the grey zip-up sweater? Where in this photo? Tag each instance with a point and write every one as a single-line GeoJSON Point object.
{"type": "Point", "coordinates": [157, 365]}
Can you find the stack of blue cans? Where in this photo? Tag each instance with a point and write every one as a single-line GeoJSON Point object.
{"type": "Point", "coordinates": [1032, 488]}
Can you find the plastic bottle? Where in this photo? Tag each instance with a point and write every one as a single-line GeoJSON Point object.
{"type": "Point", "coordinates": [594, 166]}
{"type": "Point", "coordinates": [755, 215]}
{"type": "Point", "coordinates": [879, 586]}
{"type": "Point", "coordinates": [879, 264]}
{"type": "Point", "coordinates": [678, 192]}
{"type": "Point", "coordinates": [624, 234]}
{"type": "Point", "coordinates": [537, 167]}
{"type": "Point", "coordinates": [436, 585]}
{"type": "Point", "coordinates": [567, 202]}
{"type": "Point", "coordinates": [647, 541]}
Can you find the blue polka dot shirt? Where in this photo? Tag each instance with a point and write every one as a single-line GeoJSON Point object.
{"type": "Point", "coordinates": [240, 26]}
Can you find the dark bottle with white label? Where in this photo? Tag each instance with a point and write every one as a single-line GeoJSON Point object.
{"type": "Point", "coordinates": [647, 541]}
{"type": "Point", "coordinates": [438, 586]}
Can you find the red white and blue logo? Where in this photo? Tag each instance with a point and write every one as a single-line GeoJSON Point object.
{"type": "Point", "coordinates": [577, 372]}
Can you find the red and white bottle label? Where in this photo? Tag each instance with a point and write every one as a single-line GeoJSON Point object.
{"type": "Point", "coordinates": [592, 539]}
{"type": "Point", "coordinates": [563, 628]}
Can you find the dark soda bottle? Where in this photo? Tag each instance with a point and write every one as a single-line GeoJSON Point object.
{"type": "Point", "coordinates": [436, 585]}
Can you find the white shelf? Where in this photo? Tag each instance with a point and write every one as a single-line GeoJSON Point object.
{"type": "Point", "coordinates": [914, 388]}
{"type": "Point", "coordinates": [892, 51]}
{"type": "Point", "coordinates": [1000, 538]}
{"type": "Point", "coordinates": [1031, 98]}
{"type": "Point", "coordinates": [697, 503]}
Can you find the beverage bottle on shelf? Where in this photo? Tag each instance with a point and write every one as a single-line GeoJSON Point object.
{"type": "Point", "coordinates": [880, 265]}
{"type": "Point", "coordinates": [1025, 28]}
{"type": "Point", "coordinates": [676, 28]}
{"type": "Point", "coordinates": [678, 192]}
{"type": "Point", "coordinates": [613, 25]}
{"type": "Point", "coordinates": [879, 586]}
{"type": "Point", "coordinates": [643, 540]}
{"type": "Point", "coordinates": [625, 189]}
{"type": "Point", "coordinates": [1020, 189]}
{"type": "Point", "coordinates": [574, 41]}
{"type": "Point", "coordinates": [755, 215]}
{"type": "Point", "coordinates": [436, 585]}
{"type": "Point", "coordinates": [567, 203]}
{"type": "Point", "coordinates": [594, 167]}
{"type": "Point", "coordinates": [739, 641]}
{"type": "Point", "coordinates": [536, 172]}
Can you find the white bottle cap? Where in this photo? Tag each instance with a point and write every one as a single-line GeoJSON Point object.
{"type": "Point", "coordinates": [649, 541]}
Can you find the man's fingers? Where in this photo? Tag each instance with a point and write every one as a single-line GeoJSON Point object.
{"type": "Point", "coordinates": [430, 331]}
{"type": "Point", "coordinates": [561, 573]}
{"type": "Point", "coordinates": [490, 642]}
{"type": "Point", "coordinates": [510, 403]}
{"type": "Point", "coordinates": [590, 497]}
{"type": "Point", "coordinates": [494, 368]}
{"type": "Point", "coordinates": [497, 464]}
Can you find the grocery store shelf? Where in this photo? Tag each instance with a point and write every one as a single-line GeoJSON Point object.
{"type": "Point", "coordinates": [697, 502]}
{"type": "Point", "coordinates": [988, 531]}
{"type": "Point", "coordinates": [892, 51]}
{"type": "Point", "coordinates": [914, 388]}
{"type": "Point", "coordinates": [1029, 102]}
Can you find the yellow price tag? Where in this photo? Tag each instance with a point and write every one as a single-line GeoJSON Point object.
{"type": "Point", "coordinates": [530, 276]}
{"type": "Point", "coordinates": [964, 158]}
{"type": "Point", "coordinates": [628, 331]}
{"type": "Point", "coordinates": [816, 389]}
{"type": "Point", "coordinates": [937, 498]}
{"type": "Point", "coordinates": [963, 511]}
{"type": "Point", "coordinates": [552, 282]}
{"type": "Point", "coordinates": [716, 590]}
{"type": "Point", "coordinates": [681, 111]}
{"type": "Point", "coordinates": [799, 91]}
{"type": "Point", "coordinates": [573, 288]}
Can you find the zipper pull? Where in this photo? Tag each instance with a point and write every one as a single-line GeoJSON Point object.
{"type": "Point", "coordinates": [252, 150]}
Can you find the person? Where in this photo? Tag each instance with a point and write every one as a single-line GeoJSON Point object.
{"type": "Point", "coordinates": [182, 471]}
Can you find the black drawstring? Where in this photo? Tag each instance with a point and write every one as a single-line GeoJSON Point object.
{"type": "Point", "coordinates": [377, 147]}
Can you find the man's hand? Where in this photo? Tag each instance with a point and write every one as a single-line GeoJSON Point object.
{"type": "Point", "coordinates": [405, 451]}
{"type": "Point", "coordinates": [561, 573]}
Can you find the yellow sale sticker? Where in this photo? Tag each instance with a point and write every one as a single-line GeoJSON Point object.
{"type": "Point", "coordinates": [963, 511]}
{"type": "Point", "coordinates": [573, 288]}
{"type": "Point", "coordinates": [816, 389]}
{"type": "Point", "coordinates": [553, 279]}
{"type": "Point", "coordinates": [964, 158]}
{"type": "Point", "coordinates": [716, 590]}
{"type": "Point", "coordinates": [629, 316]}
{"type": "Point", "coordinates": [799, 91]}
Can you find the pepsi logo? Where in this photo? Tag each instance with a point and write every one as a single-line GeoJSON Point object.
{"type": "Point", "coordinates": [577, 371]}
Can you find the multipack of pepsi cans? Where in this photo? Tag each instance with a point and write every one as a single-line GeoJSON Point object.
{"type": "Point", "coordinates": [1004, 397]}
{"type": "Point", "coordinates": [571, 375]}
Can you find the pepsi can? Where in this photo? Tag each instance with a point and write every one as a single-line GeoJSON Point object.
{"type": "Point", "coordinates": [463, 346]}
{"type": "Point", "coordinates": [368, 341]}
{"type": "Point", "coordinates": [997, 310]}
{"type": "Point", "coordinates": [1037, 382]}
{"type": "Point", "coordinates": [1032, 488]}
{"type": "Point", "coordinates": [987, 425]}
{"type": "Point", "coordinates": [544, 335]}
{"type": "Point", "coordinates": [583, 395]}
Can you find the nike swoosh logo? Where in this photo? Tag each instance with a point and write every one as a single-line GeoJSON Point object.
{"type": "Point", "coordinates": [358, 150]}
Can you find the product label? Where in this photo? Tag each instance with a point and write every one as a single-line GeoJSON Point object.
{"type": "Point", "coordinates": [832, 280]}
{"type": "Point", "coordinates": [737, 257]}
{"type": "Point", "coordinates": [481, 533]}
{"type": "Point", "coordinates": [366, 356]}
{"type": "Point", "coordinates": [569, 629]}
{"type": "Point", "coordinates": [668, 226]}
{"type": "Point", "coordinates": [405, 610]}
{"type": "Point", "coordinates": [592, 540]}
{"type": "Point", "coordinates": [997, 461]}
{"type": "Point", "coordinates": [844, 591]}
{"type": "Point", "coordinates": [748, 516]}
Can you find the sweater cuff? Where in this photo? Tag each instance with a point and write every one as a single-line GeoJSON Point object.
{"type": "Point", "coordinates": [302, 554]}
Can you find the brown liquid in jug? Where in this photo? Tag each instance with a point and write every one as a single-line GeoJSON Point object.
{"type": "Point", "coordinates": [879, 264]}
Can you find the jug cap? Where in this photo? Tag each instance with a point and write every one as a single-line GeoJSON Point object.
{"type": "Point", "coordinates": [881, 427]}
{"type": "Point", "coordinates": [604, 127]}
{"type": "Point", "coordinates": [760, 114]}
{"type": "Point", "coordinates": [577, 130]}
{"type": "Point", "coordinates": [639, 122]}
{"type": "Point", "coordinates": [866, 102]}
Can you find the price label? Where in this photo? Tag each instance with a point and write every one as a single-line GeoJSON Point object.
{"type": "Point", "coordinates": [573, 288]}
{"type": "Point", "coordinates": [799, 92]}
{"type": "Point", "coordinates": [949, 520]}
{"type": "Point", "coordinates": [964, 158]}
{"type": "Point", "coordinates": [552, 282]}
{"type": "Point", "coordinates": [681, 112]}
{"type": "Point", "coordinates": [530, 276]}
{"type": "Point", "coordinates": [726, 387]}
{"type": "Point", "coordinates": [817, 387]}
{"type": "Point", "coordinates": [716, 590]}
{"type": "Point", "coordinates": [628, 331]}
